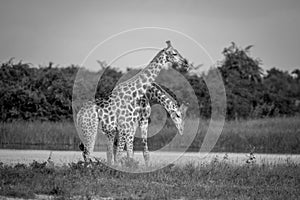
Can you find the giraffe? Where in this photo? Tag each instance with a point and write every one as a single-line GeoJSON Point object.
{"type": "Point", "coordinates": [120, 112]}
{"type": "Point", "coordinates": [157, 95]}
{"type": "Point", "coordinates": [176, 111]}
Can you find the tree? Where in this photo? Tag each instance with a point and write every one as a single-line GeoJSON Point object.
{"type": "Point", "coordinates": [242, 76]}
{"type": "Point", "coordinates": [281, 91]}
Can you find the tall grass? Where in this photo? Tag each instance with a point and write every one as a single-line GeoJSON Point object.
{"type": "Point", "coordinates": [272, 135]}
{"type": "Point", "coordinates": [38, 135]}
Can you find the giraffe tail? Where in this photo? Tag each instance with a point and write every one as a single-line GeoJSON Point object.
{"type": "Point", "coordinates": [81, 146]}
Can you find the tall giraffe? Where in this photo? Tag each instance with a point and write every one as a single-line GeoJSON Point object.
{"type": "Point", "coordinates": [120, 112]}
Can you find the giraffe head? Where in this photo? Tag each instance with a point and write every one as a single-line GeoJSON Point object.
{"type": "Point", "coordinates": [178, 117]}
{"type": "Point", "coordinates": [168, 56]}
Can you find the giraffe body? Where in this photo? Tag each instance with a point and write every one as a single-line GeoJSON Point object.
{"type": "Point", "coordinates": [93, 110]}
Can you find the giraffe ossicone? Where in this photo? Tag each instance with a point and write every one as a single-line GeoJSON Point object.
{"type": "Point", "coordinates": [121, 111]}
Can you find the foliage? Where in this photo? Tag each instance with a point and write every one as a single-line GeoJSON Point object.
{"type": "Point", "coordinates": [29, 93]}
{"type": "Point", "coordinates": [250, 94]}
{"type": "Point", "coordinates": [45, 93]}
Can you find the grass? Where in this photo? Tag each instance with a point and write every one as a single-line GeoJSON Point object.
{"type": "Point", "coordinates": [215, 180]}
{"type": "Point", "coordinates": [272, 135]}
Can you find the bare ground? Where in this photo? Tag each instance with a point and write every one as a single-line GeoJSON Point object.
{"type": "Point", "coordinates": [8, 156]}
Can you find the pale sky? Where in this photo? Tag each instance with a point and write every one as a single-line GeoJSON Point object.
{"type": "Point", "coordinates": [64, 32]}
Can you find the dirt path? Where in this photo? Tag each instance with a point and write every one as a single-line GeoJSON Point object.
{"type": "Point", "coordinates": [61, 157]}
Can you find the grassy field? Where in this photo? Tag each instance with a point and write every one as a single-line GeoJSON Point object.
{"type": "Point", "coordinates": [273, 135]}
{"type": "Point", "coordinates": [214, 180]}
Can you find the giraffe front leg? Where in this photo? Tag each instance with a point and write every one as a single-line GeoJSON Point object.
{"type": "Point", "coordinates": [144, 131]}
{"type": "Point", "coordinates": [129, 142]}
{"type": "Point", "coordinates": [120, 146]}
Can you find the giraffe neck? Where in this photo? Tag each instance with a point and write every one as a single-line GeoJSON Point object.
{"type": "Point", "coordinates": [148, 74]}
{"type": "Point", "coordinates": [156, 93]}
{"type": "Point", "coordinates": [141, 82]}
{"type": "Point", "coordinates": [152, 71]}
{"type": "Point", "coordinates": [145, 77]}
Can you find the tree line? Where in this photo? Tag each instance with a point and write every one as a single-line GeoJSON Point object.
{"type": "Point", "coordinates": [45, 93]}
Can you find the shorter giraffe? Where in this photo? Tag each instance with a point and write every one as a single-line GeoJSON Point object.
{"type": "Point", "coordinates": [177, 112]}
{"type": "Point", "coordinates": [87, 119]}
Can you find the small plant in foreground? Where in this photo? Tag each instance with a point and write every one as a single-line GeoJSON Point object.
{"type": "Point", "coordinates": [251, 157]}
{"type": "Point", "coordinates": [225, 157]}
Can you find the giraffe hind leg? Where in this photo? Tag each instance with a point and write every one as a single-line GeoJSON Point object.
{"type": "Point", "coordinates": [144, 129]}
{"type": "Point", "coordinates": [86, 155]}
{"type": "Point", "coordinates": [89, 145]}
{"type": "Point", "coordinates": [87, 124]}
{"type": "Point", "coordinates": [129, 142]}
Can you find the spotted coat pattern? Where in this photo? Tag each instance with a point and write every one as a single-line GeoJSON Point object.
{"type": "Point", "coordinates": [88, 118]}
